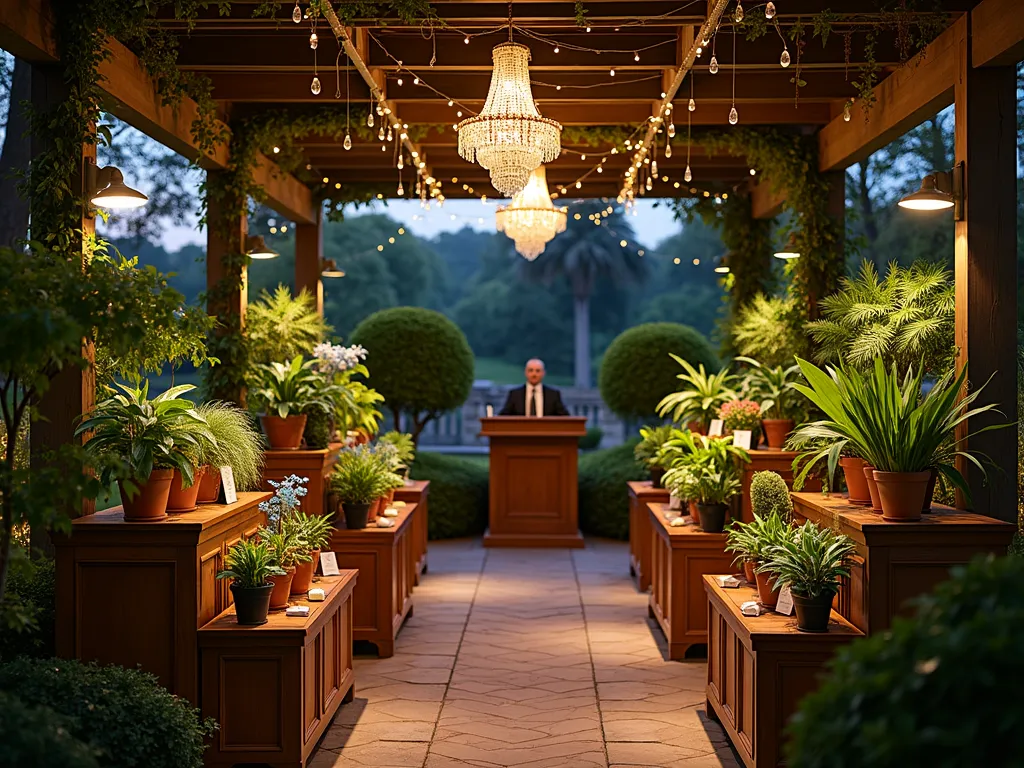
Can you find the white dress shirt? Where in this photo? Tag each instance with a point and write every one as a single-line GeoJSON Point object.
{"type": "Point", "coordinates": [540, 398]}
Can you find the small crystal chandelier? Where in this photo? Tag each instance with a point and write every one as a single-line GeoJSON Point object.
{"type": "Point", "coordinates": [531, 220]}
{"type": "Point", "coordinates": [509, 137]}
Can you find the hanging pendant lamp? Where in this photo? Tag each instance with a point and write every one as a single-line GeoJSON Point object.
{"type": "Point", "coordinates": [531, 220]}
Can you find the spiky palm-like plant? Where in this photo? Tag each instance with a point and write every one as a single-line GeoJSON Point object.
{"type": "Point", "coordinates": [903, 318]}
{"type": "Point", "coordinates": [280, 326]}
{"type": "Point", "coordinates": [768, 329]}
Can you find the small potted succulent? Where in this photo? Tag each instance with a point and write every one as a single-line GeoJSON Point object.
{"type": "Point", "coordinates": [287, 551]}
{"type": "Point", "coordinates": [239, 446]}
{"type": "Point", "coordinates": [810, 562]}
{"type": "Point", "coordinates": [700, 397]}
{"type": "Point", "coordinates": [283, 393]}
{"type": "Point", "coordinates": [647, 450]}
{"type": "Point", "coordinates": [742, 414]}
{"type": "Point", "coordinates": [313, 534]}
{"type": "Point", "coordinates": [773, 388]}
{"type": "Point", "coordinates": [250, 566]}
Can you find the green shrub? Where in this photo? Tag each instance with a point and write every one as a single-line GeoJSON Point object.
{"type": "Point", "coordinates": [458, 494]}
{"type": "Point", "coordinates": [33, 589]}
{"type": "Point", "coordinates": [769, 493]}
{"type": "Point", "coordinates": [419, 361]}
{"type": "Point", "coordinates": [592, 439]}
{"type": "Point", "coordinates": [38, 737]}
{"type": "Point", "coordinates": [603, 498]}
{"type": "Point", "coordinates": [317, 432]}
{"type": "Point", "coordinates": [937, 690]}
{"type": "Point", "coordinates": [637, 372]}
{"type": "Point", "coordinates": [280, 326]}
{"type": "Point", "coordinates": [123, 714]}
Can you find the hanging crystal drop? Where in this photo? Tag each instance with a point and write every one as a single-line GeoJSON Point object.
{"type": "Point", "coordinates": [769, 11]}
{"type": "Point", "coordinates": [846, 112]}
{"type": "Point", "coordinates": [347, 144]}
{"type": "Point", "coordinates": [785, 59]}
{"type": "Point", "coordinates": [391, 136]}
{"type": "Point", "coordinates": [668, 150]}
{"type": "Point", "coordinates": [713, 66]}
{"type": "Point", "coordinates": [315, 86]}
{"type": "Point", "coordinates": [297, 13]}
{"type": "Point", "coordinates": [649, 185]}
{"type": "Point", "coordinates": [738, 16]}
{"type": "Point", "coordinates": [692, 106]}
{"type": "Point", "coordinates": [369, 119]}
{"type": "Point", "coordinates": [654, 168]}
{"type": "Point", "coordinates": [314, 41]}
{"type": "Point", "coordinates": [671, 130]}
{"type": "Point", "coordinates": [401, 162]}
{"type": "Point", "coordinates": [687, 175]}
{"type": "Point", "coordinates": [380, 110]}
{"type": "Point", "coordinates": [401, 190]}
{"type": "Point", "coordinates": [380, 133]}
{"type": "Point", "coordinates": [734, 116]}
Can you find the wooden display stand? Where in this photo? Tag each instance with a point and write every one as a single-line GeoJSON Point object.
{"type": "Point", "coordinates": [642, 493]}
{"type": "Point", "coordinates": [416, 492]}
{"type": "Point", "coordinates": [316, 465]}
{"type": "Point", "coordinates": [897, 561]}
{"type": "Point", "coordinates": [774, 460]}
{"type": "Point", "coordinates": [533, 498]}
{"type": "Point", "coordinates": [759, 668]}
{"type": "Point", "coordinates": [383, 595]}
{"type": "Point", "coordinates": [274, 689]}
{"type": "Point", "coordinates": [137, 593]}
{"type": "Point", "coordinates": [679, 558]}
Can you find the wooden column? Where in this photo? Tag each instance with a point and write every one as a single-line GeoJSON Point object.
{"type": "Point", "coordinates": [309, 250]}
{"type": "Point", "coordinates": [986, 264]}
{"type": "Point", "coordinates": [72, 392]}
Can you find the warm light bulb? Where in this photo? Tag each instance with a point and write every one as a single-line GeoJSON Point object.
{"type": "Point", "coordinates": [313, 41]}
{"type": "Point", "coordinates": [399, 81]}
{"type": "Point", "coordinates": [347, 143]}
{"type": "Point", "coordinates": [654, 168]}
{"type": "Point", "coordinates": [753, 172]}
{"type": "Point", "coordinates": [369, 119]}
{"type": "Point", "coordinates": [556, 49]}
{"type": "Point", "coordinates": [785, 59]}
{"type": "Point", "coordinates": [380, 133]}
{"type": "Point", "coordinates": [738, 16]}
{"type": "Point", "coordinates": [401, 163]}
{"type": "Point", "coordinates": [636, 57]}
{"type": "Point", "coordinates": [415, 81]}
{"type": "Point", "coordinates": [315, 85]}
{"type": "Point", "coordinates": [692, 105]}
{"type": "Point", "coordinates": [401, 191]}
{"type": "Point", "coordinates": [713, 66]}
{"type": "Point", "coordinates": [391, 136]}
{"type": "Point", "coordinates": [612, 71]}
{"type": "Point", "coordinates": [466, 41]}
{"type": "Point", "coordinates": [668, 150]}
{"type": "Point", "coordinates": [846, 112]}
{"type": "Point", "coordinates": [769, 11]}
{"type": "Point", "coordinates": [687, 174]}
{"type": "Point", "coordinates": [649, 185]}
{"type": "Point", "coordinates": [297, 13]}
{"type": "Point", "coordinates": [734, 116]}
{"type": "Point", "coordinates": [671, 130]}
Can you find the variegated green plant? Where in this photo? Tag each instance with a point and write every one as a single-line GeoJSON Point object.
{"type": "Point", "coordinates": [810, 561]}
{"type": "Point", "coordinates": [701, 395]}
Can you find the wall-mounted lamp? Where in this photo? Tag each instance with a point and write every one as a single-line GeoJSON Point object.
{"type": "Point", "coordinates": [790, 251]}
{"type": "Point", "coordinates": [723, 265]}
{"type": "Point", "coordinates": [939, 190]}
{"type": "Point", "coordinates": [108, 190]}
{"type": "Point", "coordinates": [329, 268]}
{"type": "Point", "coordinates": [257, 248]}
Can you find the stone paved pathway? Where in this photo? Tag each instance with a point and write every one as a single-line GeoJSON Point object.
{"type": "Point", "coordinates": [526, 658]}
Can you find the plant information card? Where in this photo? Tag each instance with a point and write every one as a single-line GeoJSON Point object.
{"type": "Point", "coordinates": [785, 604]}
{"type": "Point", "coordinates": [228, 495]}
{"type": "Point", "coordinates": [741, 438]}
{"type": "Point", "coordinates": [329, 564]}
{"type": "Point", "coordinates": [715, 430]}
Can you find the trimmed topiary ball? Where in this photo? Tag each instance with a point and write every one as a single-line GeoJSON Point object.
{"type": "Point", "coordinates": [769, 493]}
{"type": "Point", "coordinates": [941, 689]}
{"type": "Point", "coordinates": [637, 372]}
{"type": "Point", "coordinates": [418, 359]}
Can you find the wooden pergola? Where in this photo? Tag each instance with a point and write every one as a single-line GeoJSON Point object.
{"type": "Point", "coordinates": [260, 63]}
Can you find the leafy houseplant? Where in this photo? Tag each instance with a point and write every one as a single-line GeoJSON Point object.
{"type": "Point", "coordinates": [358, 480]}
{"type": "Point", "coordinates": [773, 387]}
{"type": "Point", "coordinates": [287, 552]}
{"type": "Point", "coordinates": [312, 534]}
{"type": "Point", "coordinates": [700, 397]}
{"type": "Point", "coordinates": [810, 562]}
{"type": "Point", "coordinates": [715, 488]}
{"type": "Point", "coordinates": [249, 565]}
{"type": "Point", "coordinates": [749, 540]}
{"type": "Point", "coordinates": [283, 393]}
{"type": "Point", "coordinates": [150, 439]}
{"type": "Point", "coordinates": [706, 469]}
{"type": "Point", "coordinates": [771, 531]}
{"type": "Point", "coordinates": [742, 414]}
{"type": "Point", "coordinates": [405, 448]}
{"type": "Point", "coordinates": [239, 445]}
{"type": "Point", "coordinates": [647, 450]}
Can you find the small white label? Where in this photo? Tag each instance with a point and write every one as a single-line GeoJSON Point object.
{"type": "Point", "coordinates": [785, 604]}
{"type": "Point", "coordinates": [742, 437]}
{"type": "Point", "coordinates": [674, 502]}
{"type": "Point", "coordinates": [490, 410]}
{"type": "Point", "coordinates": [297, 610]}
{"type": "Point", "coordinates": [329, 564]}
{"type": "Point", "coordinates": [715, 430]}
{"type": "Point", "coordinates": [228, 495]}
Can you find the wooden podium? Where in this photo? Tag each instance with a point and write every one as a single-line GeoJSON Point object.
{"type": "Point", "coordinates": [533, 480]}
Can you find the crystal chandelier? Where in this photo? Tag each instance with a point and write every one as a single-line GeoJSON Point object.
{"type": "Point", "coordinates": [531, 220]}
{"type": "Point", "coordinates": [509, 137]}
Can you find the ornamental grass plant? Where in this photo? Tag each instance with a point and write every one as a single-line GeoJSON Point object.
{"type": "Point", "coordinates": [239, 444]}
{"type": "Point", "coordinates": [249, 563]}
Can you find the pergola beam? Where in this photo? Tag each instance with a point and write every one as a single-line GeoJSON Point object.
{"type": "Point", "coordinates": [997, 33]}
{"type": "Point", "coordinates": [765, 202]}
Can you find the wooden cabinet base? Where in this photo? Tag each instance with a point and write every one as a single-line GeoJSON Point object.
{"type": "Point", "coordinates": [679, 559]}
{"type": "Point", "coordinates": [384, 558]}
{"type": "Point", "coordinates": [316, 465]}
{"type": "Point", "coordinates": [275, 688]}
{"type": "Point", "coordinates": [417, 492]}
{"type": "Point", "coordinates": [540, 540]}
{"type": "Point", "coordinates": [759, 668]}
{"type": "Point", "coordinates": [898, 561]}
{"type": "Point", "coordinates": [642, 493]}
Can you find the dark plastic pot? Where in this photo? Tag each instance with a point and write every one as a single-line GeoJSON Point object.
{"type": "Point", "coordinates": [656, 474]}
{"type": "Point", "coordinates": [812, 613]}
{"type": "Point", "coordinates": [252, 604]}
{"type": "Point", "coordinates": [712, 517]}
{"type": "Point", "coordinates": [355, 515]}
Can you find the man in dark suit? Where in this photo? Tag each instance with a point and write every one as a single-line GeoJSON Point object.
{"type": "Point", "coordinates": [533, 398]}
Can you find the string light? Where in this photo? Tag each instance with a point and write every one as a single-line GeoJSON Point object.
{"type": "Point", "coordinates": [636, 57]}
{"type": "Point", "coordinates": [785, 59]}
{"type": "Point", "coordinates": [297, 13]}
{"type": "Point", "coordinates": [314, 41]}
{"type": "Point", "coordinates": [846, 111]}
{"type": "Point", "coordinates": [713, 66]}
{"type": "Point", "coordinates": [769, 11]}
{"type": "Point", "coordinates": [314, 87]}
{"type": "Point", "coordinates": [734, 116]}
{"type": "Point", "coordinates": [738, 16]}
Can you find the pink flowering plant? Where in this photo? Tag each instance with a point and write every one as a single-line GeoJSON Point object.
{"type": "Point", "coordinates": [740, 414]}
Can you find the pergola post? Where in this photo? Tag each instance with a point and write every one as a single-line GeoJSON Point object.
{"type": "Point", "coordinates": [309, 249]}
{"type": "Point", "coordinates": [72, 392]}
{"type": "Point", "coordinates": [986, 266]}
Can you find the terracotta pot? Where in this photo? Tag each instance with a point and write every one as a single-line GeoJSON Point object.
{"type": "Point", "coordinates": [251, 604]}
{"type": "Point", "coordinates": [902, 494]}
{"type": "Point", "coordinates": [375, 509]}
{"type": "Point", "coordinates": [748, 571]}
{"type": "Point", "coordinates": [712, 517]}
{"type": "Point", "coordinates": [184, 499]}
{"type": "Point", "coordinates": [933, 477]}
{"type": "Point", "coordinates": [776, 431]}
{"type": "Point", "coordinates": [284, 434]}
{"type": "Point", "coordinates": [304, 574]}
{"type": "Point", "coordinates": [150, 500]}
{"type": "Point", "coordinates": [356, 515]}
{"type": "Point", "coordinates": [696, 427]}
{"type": "Point", "coordinates": [209, 485]}
{"type": "Point", "coordinates": [856, 480]}
{"type": "Point", "coordinates": [282, 588]}
{"type": "Point", "coordinates": [656, 474]}
{"type": "Point", "coordinates": [694, 512]}
{"type": "Point", "coordinates": [767, 592]}
{"type": "Point", "coordinates": [869, 476]}
{"type": "Point", "coordinates": [813, 613]}
{"type": "Point", "coordinates": [389, 499]}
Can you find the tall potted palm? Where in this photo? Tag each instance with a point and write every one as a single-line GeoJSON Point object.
{"type": "Point", "coordinates": [702, 394]}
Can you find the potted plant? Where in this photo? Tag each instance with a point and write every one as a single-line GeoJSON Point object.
{"type": "Point", "coordinates": [746, 541]}
{"type": "Point", "coordinates": [715, 487]}
{"type": "Point", "coordinates": [313, 535]}
{"type": "Point", "coordinates": [356, 481]}
{"type": "Point", "coordinates": [184, 495]}
{"type": "Point", "coordinates": [140, 442]}
{"type": "Point", "coordinates": [699, 399]}
{"type": "Point", "coordinates": [238, 445]}
{"type": "Point", "coordinates": [742, 414]}
{"type": "Point", "coordinates": [283, 392]}
{"type": "Point", "coordinates": [770, 531]}
{"type": "Point", "coordinates": [405, 450]}
{"type": "Point", "coordinates": [810, 562]}
{"type": "Point", "coordinates": [707, 470]}
{"type": "Point", "coordinates": [769, 493]}
{"type": "Point", "coordinates": [773, 387]}
{"type": "Point", "coordinates": [286, 551]}
{"type": "Point", "coordinates": [646, 452]}
{"type": "Point", "coordinates": [250, 566]}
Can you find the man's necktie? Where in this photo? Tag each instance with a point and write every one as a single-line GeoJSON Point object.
{"type": "Point", "coordinates": [532, 409]}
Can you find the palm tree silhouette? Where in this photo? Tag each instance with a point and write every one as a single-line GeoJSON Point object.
{"type": "Point", "coordinates": [589, 249]}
